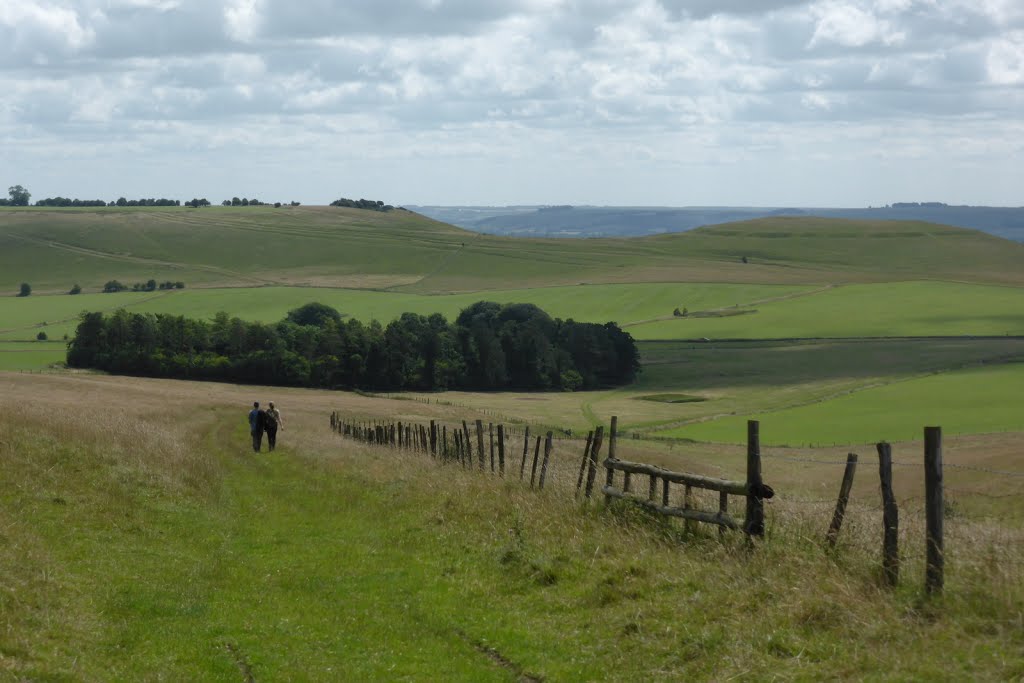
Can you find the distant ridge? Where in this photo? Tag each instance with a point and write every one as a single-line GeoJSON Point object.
{"type": "Point", "coordinates": [629, 221]}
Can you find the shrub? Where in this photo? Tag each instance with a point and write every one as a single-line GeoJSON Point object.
{"type": "Point", "coordinates": [25, 290]}
{"type": "Point", "coordinates": [41, 336]}
{"type": "Point", "coordinates": [76, 289]}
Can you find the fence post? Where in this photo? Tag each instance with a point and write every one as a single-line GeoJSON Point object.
{"type": "Point", "coordinates": [723, 509]}
{"type": "Point", "coordinates": [467, 445]}
{"type": "Point", "coordinates": [584, 461]}
{"type": "Point", "coordinates": [610, 460]}
{"type": "Point", "coordinates": [547, 456]}
{"type": "Point", "coordinates": [501, 450]}
{"type": "Point", "coordinates": [890, 517]}
{"type": "Point", "coordinates": [844, 497]}
{"type": "Point", "coordinates": [526, 449]}
{"type": "Point", "coordinates": [490, 431]}
{"type": "Point", "coordinates": [595, 449]}
{"type": "Point", "coordinates": [536, 456]}
{"type": "Point", "coordinates": [753, 525]}
{"type": "Point", "coordinates": [933, 509]}
{"type": "Point", "coordinates": [433, 439]}
{"type": "Point", "coordinates": [480, 442]}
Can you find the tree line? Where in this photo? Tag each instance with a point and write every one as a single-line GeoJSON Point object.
{"type": "Point", "coordinates": [490, 346]}
{"type": "Point", "coordinates": [368, 204]}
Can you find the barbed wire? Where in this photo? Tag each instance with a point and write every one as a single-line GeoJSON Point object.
{"type": "Point", "coordinates": [975, 468]}
{"type": "Point", "coordinates": [898, 463]}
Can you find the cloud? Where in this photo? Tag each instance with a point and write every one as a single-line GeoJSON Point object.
{"type": "Point", "coordinates": [508, 81]}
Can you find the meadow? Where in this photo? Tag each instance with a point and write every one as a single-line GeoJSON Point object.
{"type": "Point", "coordinates": [817, 279]}
{"type": "Point", "coordinates": [23, 318]}
{"type": "Point", "coordinates": [143, 540]}
{"type": "Point", "coordinates": [146, 541]}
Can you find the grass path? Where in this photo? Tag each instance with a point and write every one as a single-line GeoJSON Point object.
{"type": "Point", "coordinates": [295, 587]}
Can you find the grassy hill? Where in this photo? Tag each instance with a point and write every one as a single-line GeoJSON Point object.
{"type": "Point", "coordinates": [321, 246]}
{"type": "Point", "coordinates": [144, 541]}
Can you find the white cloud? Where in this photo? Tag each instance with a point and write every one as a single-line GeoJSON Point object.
{"type": "Point", "coordinates": [242, 19]}
{"type": "Point", "coordinates": [417, 87]}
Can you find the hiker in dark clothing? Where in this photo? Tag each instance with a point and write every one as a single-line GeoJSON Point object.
{"type": "Point", "coordinates": [273, 423]}
{"type": "Point", "coordinates": [257, 423]}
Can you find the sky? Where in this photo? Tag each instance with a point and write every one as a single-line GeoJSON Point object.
{"type": "Point", "coordinates": [843, 103]}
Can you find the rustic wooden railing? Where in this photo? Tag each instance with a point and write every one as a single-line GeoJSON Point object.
{"type": "Point", "coordinates": [753, 489]}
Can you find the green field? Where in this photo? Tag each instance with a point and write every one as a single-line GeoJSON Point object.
{"type": "Point", "coordinates": [31, 355]}
{"type": "Point", "coordinates": [21, 318]}
{"type": "Point", "coordinates": [144, 541]}
{"type": "Point", "coordinates": [976, 400]}
{"type": "Point", "coordinates": [55, 248]}
{"type": "Point", "coordinates": [894, 309]}
{"type": "Point", "coordinates": [805, 278]}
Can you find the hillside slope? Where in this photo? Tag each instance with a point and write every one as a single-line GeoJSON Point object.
{"type": "Point", "coordinates": [320, 246]}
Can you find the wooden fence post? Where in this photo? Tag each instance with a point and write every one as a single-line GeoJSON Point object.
{"type": "Point", "coordinates": [610, 475]}
{"type": "Point", "coordinates": [533, 470]}
{"type": "Point", "coordinates": [480, 442]}
{"type": "Point", "coordinates": [467, 445]}
{"type": "Point", "coordinates": [501, 450]}
{"type": "Point", "coordinates": [547, 456]}
{"type": "Point", "coordinates": [723, 509]}
{"type": "Point", "coordinates": [753, 525]}
{"type": "Point", "coordinates": [890, 517]}
{"type": "Point", "coordinates": [526, 449]}
{"type": "Point", "coordinates": [933, 509]}
{"type": "Point", "coordinates": [595, 449]}
{"type": "Point", "coordinates": [433, 439]}
{"type": "Point", "coordinates": [490, 431]}
{"type": "Point", "coordinates": [584, 461]}
{"type": "Point", "coordinates": [844, 497]}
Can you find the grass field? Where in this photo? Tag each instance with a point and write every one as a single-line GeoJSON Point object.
{"type": "Point", "coordinates": [142, 540]}
{"type": "Point", "coordinates": [31, 355]}
{"type": "Point", "coordinates": [54, 248]}
{"type": "Point", "coordinates": [895, 309]}
{"type": "Point", "coordinates": [975, 400]}
{"type": "Point", "coordinates": [898, 309]}
{"type": "Point", "coordinates": [141, 547]}
{"type": "Point", "coordinates": [22, 318]}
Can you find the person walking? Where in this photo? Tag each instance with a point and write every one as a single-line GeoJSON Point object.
{"type": "Point", "coordinates": [257, 423]}
{"type": "Point", "coordinates": [273, 423]}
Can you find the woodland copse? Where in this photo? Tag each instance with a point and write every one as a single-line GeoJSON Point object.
{"type": "Point", "coordinates": [490, 346]}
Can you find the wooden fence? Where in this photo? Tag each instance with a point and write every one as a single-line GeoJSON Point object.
{"type": "Point", "coordinates": [466, 447]}
{"type": "Point", "coordinates": [491, 450]}
{"type": "Point", "coordinates": [455, 445]}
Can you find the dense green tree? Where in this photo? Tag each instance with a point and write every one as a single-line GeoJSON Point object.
{"type": "Point", "coordinates": [489, 347]}
{"type": "Point", "coordinates": [25, 289]}
{"type": "Point", "coordinates": [19, 196]}
{"type": "Point", "coordinates": [313, 313]}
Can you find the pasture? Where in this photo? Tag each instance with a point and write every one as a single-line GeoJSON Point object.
{"type": "Point", "coordinates": [320, 246]}
{"type": "Point", "coordinates": [143, 536]}
{"type": "Point", "coordinates": [970, 401]}
{"type": "Point", "coordinates": [143, 539]}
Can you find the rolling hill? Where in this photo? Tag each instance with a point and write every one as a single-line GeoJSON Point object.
{"type": "Point", "coordinates": [53, 249]}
